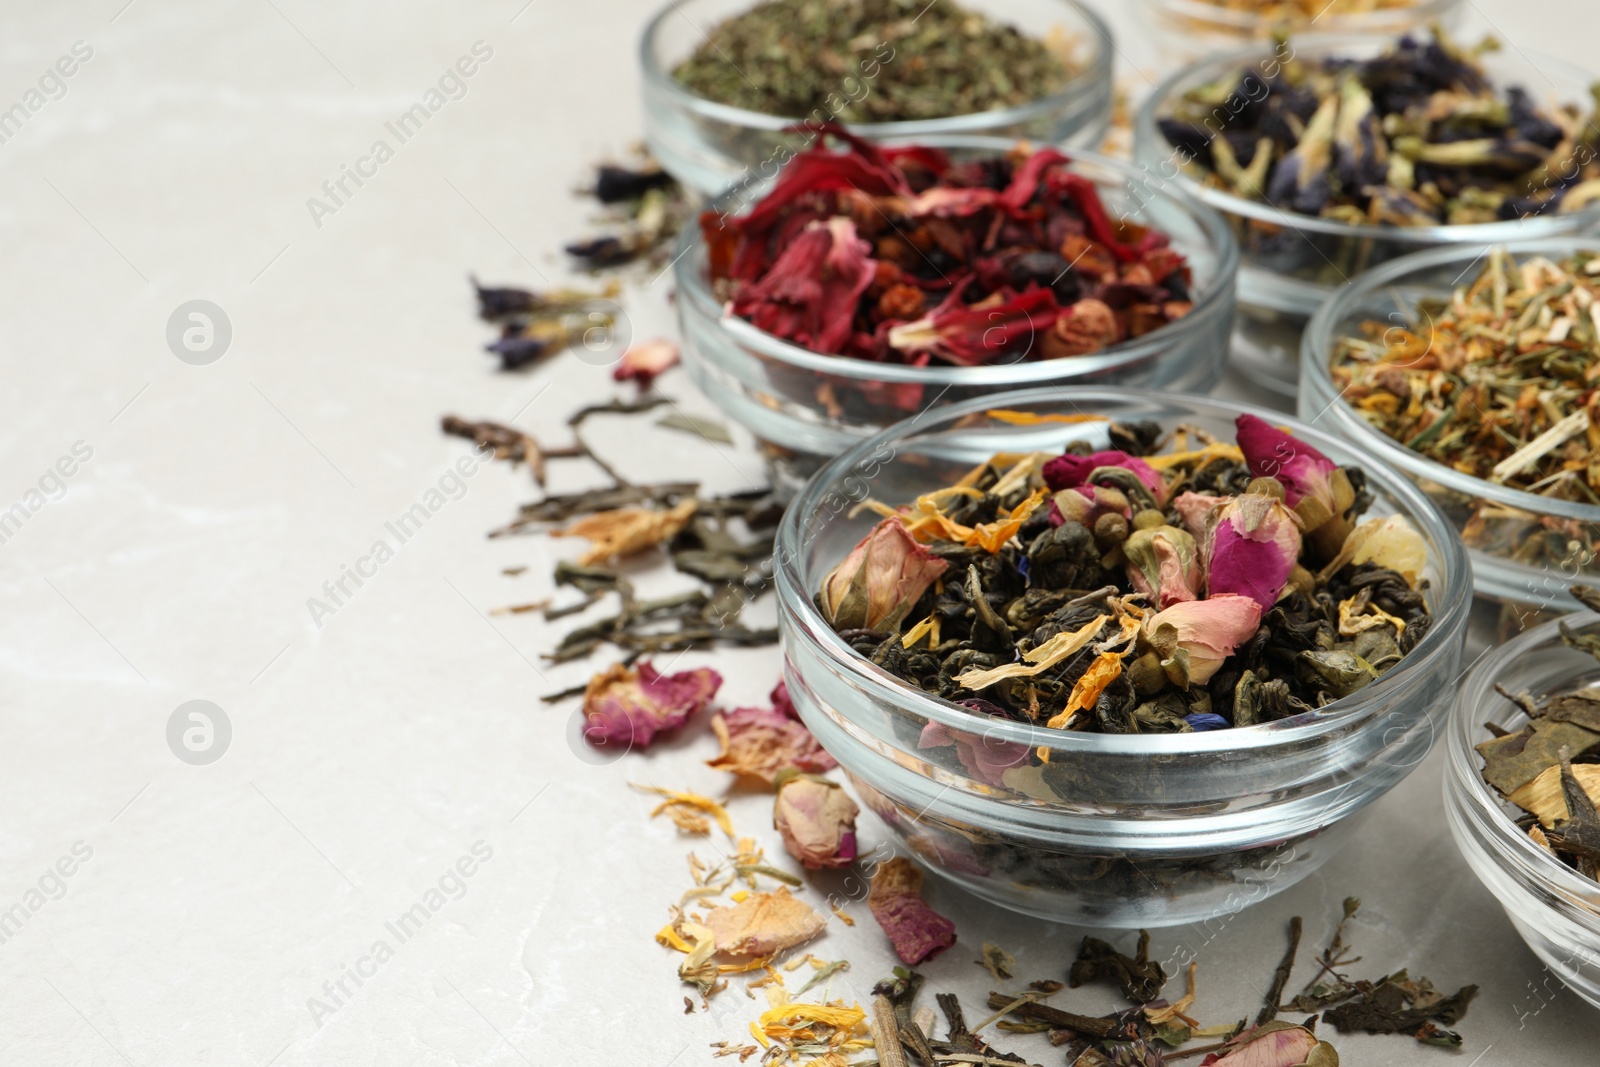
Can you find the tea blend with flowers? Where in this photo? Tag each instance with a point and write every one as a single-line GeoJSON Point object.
{"type": "Point", "coordinates": [1496, 382]}
{"type": "Point", "coordinates": [1417, 136]}
{"type": "Point", "coordinates": [872, 61]}
{"type": "Point", "coordinates": [1174, 583]}
{"type": "Point", "coordinates": [906, 256]}
{"type": "Point", "coordinates": [1551, 767]}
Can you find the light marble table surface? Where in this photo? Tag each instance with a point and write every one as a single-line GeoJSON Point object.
{"type": "Point", "coordinates": [377, 749]}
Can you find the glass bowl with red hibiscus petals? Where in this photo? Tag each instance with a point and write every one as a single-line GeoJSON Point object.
{"type": "Point", "coordinates": [1117, 657]}
{"type": "Point", "coordinates": [872, 283]}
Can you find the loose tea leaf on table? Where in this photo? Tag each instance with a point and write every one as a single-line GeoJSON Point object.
{"type": "Point", "coordinates": [872, 61]}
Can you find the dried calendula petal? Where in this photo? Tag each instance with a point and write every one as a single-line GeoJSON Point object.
{"type": "Point", "coordinates": [895, 898]}
{"type": "Point", "coordinates": [627, 531]}
{"type": "Point", "coordinates": [679, 799]}
{"type": "Point", "coordinates": [763, 923]}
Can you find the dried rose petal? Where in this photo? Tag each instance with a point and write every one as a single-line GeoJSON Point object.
{"type": "Point", "coordinates": [631, 707]}
{"type": "Point", "coordinates": [1253, 549]}
{"type": "Point", "coordinates": [1275, 1044]}
{"type": "Point", "coordinates": [985, 758]}
{"type": "Point", "coordinates": [760, 742]}
{"type": "Point", "coordinates": [1299, 468]}
{"type": "Point", "coordinates": [809, 295]}
{"type": "Point", "coordinates": [1196, 510]}
{"type": "Point", "coordinates": [1196, 637]}
{"type": "Point", "coordinates": [895, 897]}
{"type": "Point", "coordinates": [763, 923]}
{"type": "Point", "coordinates": [642, 362]}
{"type": "Point", "coordinates": [881, 579]}
{"type": "Point", "coordinates": [816, 819]}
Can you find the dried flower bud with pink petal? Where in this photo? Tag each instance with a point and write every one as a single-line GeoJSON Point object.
{"type": "Point", "coordinates": [1163, 563]}
{"type": "Point", "coordinates": [1196, 510]}
{"type": "Point", "coordinates": [881, 580]}
{"type": "Point", "coordinates": [1071, 470]}
{"type": "Point", "coordinates": [642, 362]}
{"type": "Point", "coordinates": [1253, 549]}
{"type": "Point", "coordinates": [1195, 638]}
{"type": "Point", "coordinates": [816, 819]}
{"type": "Point", "coordinates": [630, 707]}
{"type": "Point", "coordinates": [1305, 474]}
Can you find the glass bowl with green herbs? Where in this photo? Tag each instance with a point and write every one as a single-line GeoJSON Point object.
{"type": "Point", "coordinates": [1119, 658]}
{"type": "Point", "coordinates": [727, 82]}
{"type": "Point", "coordinates": [1330, 155]}
{"type": "Point", "coordinates": [1472, 372]}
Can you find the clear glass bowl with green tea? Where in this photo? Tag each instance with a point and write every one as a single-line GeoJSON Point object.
{"type": "Point", "coordinates": [1054, 739]}
{"type": "Point", "coordinates": [1474, 372]}
{"type": "Point", "coordinates": [1331, 155]}
{"type": "Point", "coordinates": [727, 82]}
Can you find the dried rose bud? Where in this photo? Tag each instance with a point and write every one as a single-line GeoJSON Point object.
{"type": "Point", "coordinates": [1194, 638]}
{"type": "Point", "coordinates": [628, 707]}
{"type": "Point", "coordinates": [1253, 549]}
{"type": "Point", "coordinates": [1163, 562]}
{"type": "Point", "coordinates": [642, 362]}
{"type": "Point", "coordinates": [1071, 470]}
{"type": "Point", "coordinates": [1306, 475]}
{"type": "Point", "coordinates": [880, 581]}
{"type": "Point", "coordinates": [1196, 510]}
{"type": "Point", "coordinates": [1081, 330]}
{"type": "Point", "coordinates": [816, 819]}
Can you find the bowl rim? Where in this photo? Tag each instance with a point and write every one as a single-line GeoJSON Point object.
{"type": "Point", "coordinates": [1486, 805]}
{"type": "Point", "coordinates": [1316, 375]}
{"type": "Point", "coordinates": [1217, 299]}
{"type": "Point", "coordinates": [1148, 144]}
{"type": "Point", "coordinates": [1236, 19]}
{"type": "Point", "coordinates": [1453, 601]}
{"type": "Point", "coordinates": [1095, 75]}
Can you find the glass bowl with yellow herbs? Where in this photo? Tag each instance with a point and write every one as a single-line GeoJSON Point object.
{"type": "Point", "coordinates": [733, 88]}
{"type": "Point", "coordinates": [1331, 155]}
{"type": "Point", "coordinates": [1186, 30]}
{"type": "Point", "coordinates": [1473, 372]}
{"type": "Point", "coordinates": [1116, 657]}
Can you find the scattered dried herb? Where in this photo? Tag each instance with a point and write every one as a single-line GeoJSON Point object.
{"type": "Point", "coordinates": [904, 256]}
{"type": "Point", "coordinates": [1138, 976]}
{"type": "Point", "coordinates": [872, 61]}
{"type": "Point", "coordinates": [1497, 382]}
{"type": "Point", "coordinates": [1550, 768]}
{"type": "Point", "coordinates": [623, 706]}
{"type": "Point", "coordinates": [1416, 136]}
{"type": "Point", "coordinates": [1135, 590]}
{"type": "Point", "coordinates": [761, 743]}
{"type": "Point", "coordinates": [535, 326]}
{"type": "Point", "coordinates": [895, 899]}
{"type": "Point", "coordinates": [643, 209]}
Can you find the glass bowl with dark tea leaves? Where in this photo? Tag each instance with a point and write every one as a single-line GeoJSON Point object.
{"type": "Point", "coordinates": [1187, 30]}
{"type": "Point", "coordinates": [732, 88]}
{"type": "Point", "coordinates": [1522, 786]}
{"type": "Point", "coordinates": [1472, 372]}
{"type": "Point", "coordinates": [870, 282]}
{"type": "Point", "coordinates": [1330, 155]}
{"type": "Point", "coordinates": [1116, 657]}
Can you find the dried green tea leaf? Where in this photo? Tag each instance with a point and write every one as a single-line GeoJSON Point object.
{"type": "Point", "coordinates": [1512, 761]}
{"type": "Point", "coordinates": [710, 429]}
{"type": "Point", "coordinates": [1138, 976]}
{"type": "Point", "coordinates": [1392, 1007]}
{"type": "Point", "coordinates": [1582, 708]}
{"type": "Point", "coordinates": [997, 961]}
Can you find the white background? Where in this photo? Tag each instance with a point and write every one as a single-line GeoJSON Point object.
{"type": "Point", "coordinates": [372, 752]}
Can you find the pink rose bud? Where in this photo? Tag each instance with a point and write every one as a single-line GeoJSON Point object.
{"type": "Point", "coordinates": [1163, 563]}
{"type": "Point", "coordinates": [1301, 469]}
{"type": "Point", "coordinates": [1196, 637]}
{"type": "Point", "coordinates": [1253, 549]}
{"type": "Point", "coordinates": [816, 819]}
{"type": "Point", "coordinates": [1070, 471]}
{"type": "Point", "coordinates": [1085, 504]}
{"type": "Point", "coordinates": [881, 580]}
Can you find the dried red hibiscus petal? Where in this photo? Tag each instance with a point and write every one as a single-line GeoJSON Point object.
{"type": "Point", "coordinates": [628, 707]}
{"type": "Point", "coordinates": [895, 897]}
{"type": "Point", "coordinates": [1016, 254]}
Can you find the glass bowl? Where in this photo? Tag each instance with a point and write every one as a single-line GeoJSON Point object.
{"type": "Point", "coordinates": [1556, 910]}
{"type": "Point", "coordinates": [1117, 830]}
{"type": "Point", "coordinates": [1291, 263]}
{"type": "Point", "coordinates": [804, 408]}
{"type": "Point", "coordinates": [1526, 549]}
{"type": "Point", "coordinates": [1187, 30]}
{"type": "Point", "coordinates": [708, 146]}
